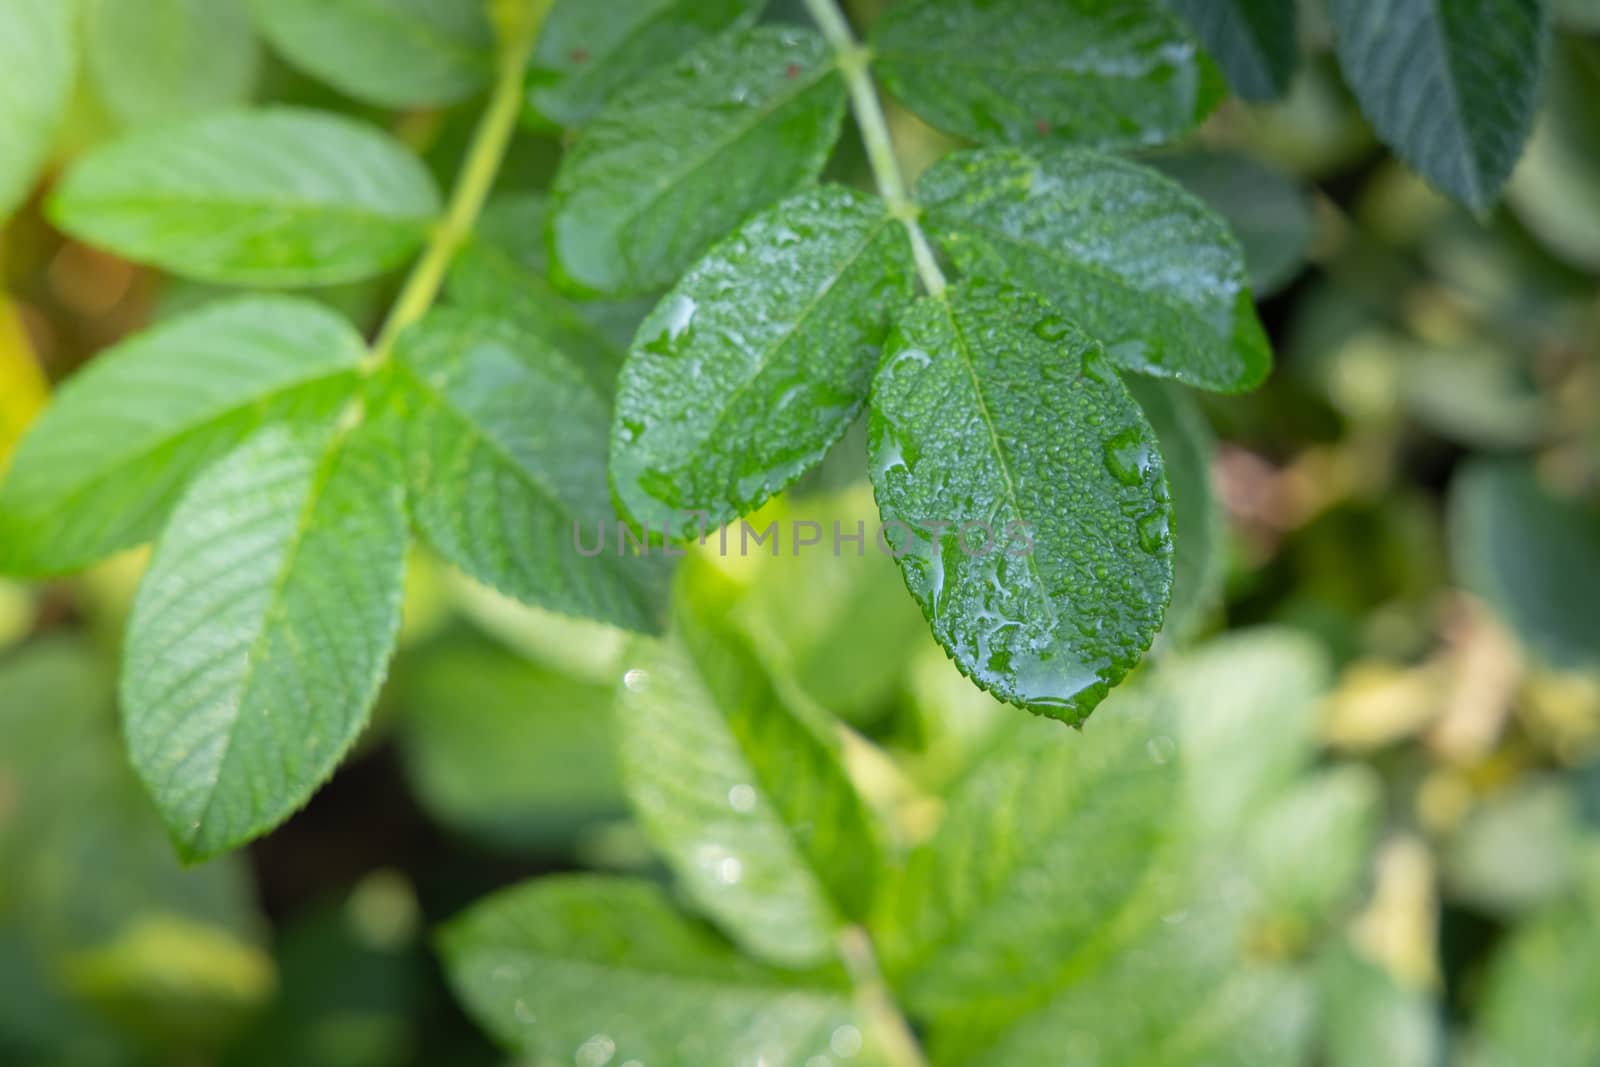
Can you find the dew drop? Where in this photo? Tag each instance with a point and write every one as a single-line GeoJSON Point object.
{"type": "Point", "coordinates": [1051, 329]}
{"type": "Point", "coordinates": [845, 1041]}
{"type": "Point", "coordinates": [596, 1052]}
{"type": "Point", "coordinates": [742, 798]}
{"type": "Point", "coordinates": [729, 871]}
{"type": "Point", "coordinates": [1154, 532]}
{"type": "Point", "coordinates": [1161, 748]}
{"type": "Point", "coordinates": [1127, 457]}
{"type": "Point", "coordinates": [636, 680]}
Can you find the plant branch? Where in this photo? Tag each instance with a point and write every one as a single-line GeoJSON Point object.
{"type": "Point", "coordinates": [518, 26]}
{"type": "Point", "coordinates": [875, 1001]}
{"type": "Point", "coordinates": [855, 62]}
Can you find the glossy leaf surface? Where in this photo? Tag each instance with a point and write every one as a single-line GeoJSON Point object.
{"type": "Point", "coordinates": [679, 158]}
{"type": "Point", "coordinates": [754, 364]}
{"type": "Point", "coordinates": [995, 71]}
{"type": "Point", "coordinates": [990, 408]}
{"type": "Point", "coordinates": [1141, 265]}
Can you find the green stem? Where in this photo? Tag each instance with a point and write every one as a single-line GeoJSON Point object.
{"type": "Point", "coordinates": [519, 27]}
{"type": "Point", "coordinates": [855, 61]}
{"type": "Point", "coordinates": [875, 1001]}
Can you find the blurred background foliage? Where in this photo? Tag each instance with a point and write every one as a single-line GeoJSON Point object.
{"type": "Point", "coordinates": [1414, 494]}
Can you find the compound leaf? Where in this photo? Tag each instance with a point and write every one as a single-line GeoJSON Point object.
{"type": "Point", "coordinates": [680, 157]}
{"type": "Point", "coordinates": [1027, 70]}
{"type": "Point", "coordinates": [1533, 556]}
{"type": "Point", "coordinates": [270, 198]}
{"type": "Point", "coordinates": [506, 450]}
{"type": "Point", "coordinates": [588, 51]}
{"type": "Point", "coordinates": [38, 60]}
{"type": "Point", "coordinates": [1452, 88]}
{"type": "Point", "coordinates": [161, 59]}
{"type": "Point", "coordinates": [1135, 260]}
{"type": "Point", "coordinates": [991, 409]}
{"type": "Point", "coordinates": [106, 462]}
{"type": "Point", "coordinates": [263, 629]}
{"type": "Point", "coordinates": [747, 801]}
{"type": "Point", "coordinates": [609, 970]}
{"type": "Point", "coordinates": [1256, 41]}
{"type": "Point", "coordinates": [756, 362]}
{"type": "Point", "coordinates": [394, 53]}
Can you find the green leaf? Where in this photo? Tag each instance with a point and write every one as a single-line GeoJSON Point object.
{"type": "Point", "coordinates": [1451, 88]}
{"type": "Point", "coordinates": [607, 971]}
{"type": "Point", "coordinates": [755, 363]}
{"type": "Point", "coordinates": [1269, 213]}
{"type": "Point", "coordinates": [588, 51]}
{"type": "Point", "coordinates": [1141, 265]}
{"type": "Point", "coordinates": [1538, 1004]}
{"type": "Point", "coordinates": [506, 451]}
{"type": "Point", "coordinates": [511, 752]}
{"type": "Point", "coordinates": [680, 157]}
{"type": "Point", "coordinates": [1370, 1018]}
{"type": "Point", "coordinates": [287, 556]}
{"type": "Point", "coordinates": [1199, 553]}
{"type": "Point", "coordinates": [268, 198]}
{"type": "Point", "coordinates": [1256, 41]}
{"type": "Point", "coordinates": [990, 408]}
{"type": "Point", "coordinates": [1533, 556]}
{"type": "Point", "coordinates": [502, 272]}
{"type": "Point", "coordinates": [105, 463]}
{"type": "Point", "coordinates": [154, 60]}
{"type": "Point", "coordinates": [1069, 910]}
{"type": "Point", "coordinates": [748, 802]}
{"type": "Point", "coordinates": [38, 57]}
{"type": "Point", "coordinates": [1029, 70]}
{"type": "Point", "coordinates": [393, 53]}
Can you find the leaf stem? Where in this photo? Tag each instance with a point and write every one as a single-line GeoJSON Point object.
{"type": "Point", "coordinates": [855, 60]}
{"type": "Point", "coordinates": [518, 26]}
{"type": "Point", "coordinates": [874, 999]}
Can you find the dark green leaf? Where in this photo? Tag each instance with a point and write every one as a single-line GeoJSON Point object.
{"type": "Point", "coordinates": [394, 53]}
{"type": "Point", "coordinates": [104, 465]}
{"type": "Point", "coordinates": [756, 362]}
{"type": "Point", "coordinates": [274, 198]}
{"type": "Point", "coordinates": [263, 629]}
{"type": "Point", "coordinates": [1452, 88]}
{"type": "Point", "coordinates": [1256, 41]}
{"type": "Point", "coordinates": [990, 408]}
{"type": "Point", "coordinates": [38, 57]}
{"type": "Point", "coordinates": [1533, 556]}
{"type": "Point", "coordinates": [1199, 554]}
{"type": "Point", "coordinates": [748, 801]}
{"type": "Point", "coordinates": [588, 51]}
{"type": "Point", "coordinates": [1141, 265]}
{"type": "Point", "coordinates": [507, 453]}
{"type": "Point", "coordinates": [607, 971]}
{"type": "Point", "coordinates": [1266, 210]}
{"type": "Point", "coordinates": [154, 60]}
{"type": "Point", "coordinates": [1028, 70]}
{"type": "Point", "coordinates": [677, 159]}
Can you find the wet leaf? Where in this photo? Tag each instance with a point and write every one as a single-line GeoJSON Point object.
{"type": "Point", "coordinates": [679, 158]}
{"type": "Point", "coordinates": [1029, 70]}
{"type": "Point", "coordinates": [990, 408]}
{"type": "Point", "coordinates": [755, 363]}
{"type": "Point", "coordinates": [1141, 265]}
